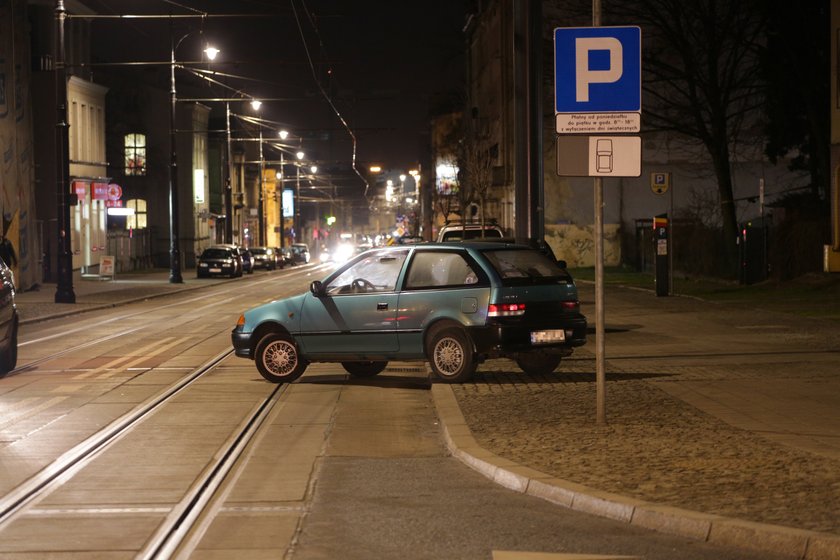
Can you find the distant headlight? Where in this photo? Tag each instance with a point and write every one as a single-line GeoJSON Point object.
{"type": "Point", "coordinates": [203, 265]}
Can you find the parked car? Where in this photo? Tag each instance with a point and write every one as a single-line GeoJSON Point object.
{"type": "Point", "coordinates": [453, 304]}
{"type": "Point", "coordinates": [265, 257]}
{"type": "Point", "coordinates": [462, 231]}
{"type": "Point", "coordinates": [300, 253]}
{"type": "Point", "coordinates": [219, 260]}
{"type": "Point", "coordinates": [284, 256]}
{"type": "Point", "coordinates": [8, 321]}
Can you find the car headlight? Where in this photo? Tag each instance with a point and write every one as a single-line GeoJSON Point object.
{"type": "Point", "coordinates": [202, 265]}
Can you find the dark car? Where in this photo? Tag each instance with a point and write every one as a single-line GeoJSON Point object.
{"type": "Point", "coordinates": [8, 321]}
{"type": "Point", "coordinates": [219, 260]}
{"type": "Point", "coordinates": [265, 257]}
{"type": "Point", "coordinates": [453, 304]}
{"type": "Point", "coordinates": [284, 256]}
{"type": "Point", "coordinates": [300, 253]}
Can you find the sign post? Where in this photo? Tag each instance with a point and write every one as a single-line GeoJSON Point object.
{"type": "Point", "coordinates": [598, 92]}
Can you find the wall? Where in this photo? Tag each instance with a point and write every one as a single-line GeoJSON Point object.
{"type": "Point", "coordinates": [17, 175]}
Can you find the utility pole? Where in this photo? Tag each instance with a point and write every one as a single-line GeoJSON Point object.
{"type": "Point", "coordinates": [64, 287]}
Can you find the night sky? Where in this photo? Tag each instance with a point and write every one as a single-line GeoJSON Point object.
{"type": "Point", "coordinates": [384, 65]}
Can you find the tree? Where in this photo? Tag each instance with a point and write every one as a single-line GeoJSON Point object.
{"type": "Point", "coordinates": [794, 65]}
{"type": "Point", "coordinates": [702, 77]}
{"type": "Point", "coordinates": [478, 164]}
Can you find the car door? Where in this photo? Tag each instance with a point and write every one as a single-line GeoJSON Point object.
{"type": "Point", "coordinates": [356, 313]}
{"type": "Point", "coordinates": [440, 284]}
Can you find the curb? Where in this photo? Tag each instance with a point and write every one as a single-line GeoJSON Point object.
{"type": "Point", "coordinates": [792, 543]}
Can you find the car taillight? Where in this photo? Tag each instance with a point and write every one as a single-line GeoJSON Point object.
{"type": "Point", "coordinates": [505, 309]}
{"type": "Point", "coordinates": [571, 306]}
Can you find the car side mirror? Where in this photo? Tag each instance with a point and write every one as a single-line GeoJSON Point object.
{"type": "Point", "coordinates": [561, 264]}
{"type": "Point", "coordinates": [317, 288]}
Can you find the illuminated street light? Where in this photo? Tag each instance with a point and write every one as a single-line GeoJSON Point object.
{"type": "Point", "coordinates": [256, 104]}
{"type": "Point", "coordinates": [283, 135]}
{"type": "Point", "coordinates": [375, 168]}
{"type": "Point", "coordinates": [174, 208]}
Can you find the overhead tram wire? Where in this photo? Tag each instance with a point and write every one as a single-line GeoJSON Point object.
{"type": "Point", "coordinates": [323, 91]}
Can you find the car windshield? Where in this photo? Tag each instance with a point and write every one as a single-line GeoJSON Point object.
{"type": "Point", "coordinates": [525, 265]}
{"type": "Point", "coordinates": [215, 254]}
{"type": "Point", "coordinates": [377, 271]}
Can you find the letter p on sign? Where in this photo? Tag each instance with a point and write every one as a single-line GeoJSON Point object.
{"type": "Point", "coordinates": [585, 75]}
{"type": "Point", "coordinates": [598, 69]}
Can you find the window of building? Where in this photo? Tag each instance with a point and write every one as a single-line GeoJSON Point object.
{"type": "Point", "coordinates": [135, 154]}
{"type": "Point", "coordinates": [138, 219]}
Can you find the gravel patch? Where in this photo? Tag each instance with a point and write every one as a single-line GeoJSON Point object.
{"type": "Point", "coordinates": [654, 447]}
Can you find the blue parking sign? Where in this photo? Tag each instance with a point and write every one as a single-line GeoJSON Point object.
{"type": "Point", "coordinates": [598, 69]}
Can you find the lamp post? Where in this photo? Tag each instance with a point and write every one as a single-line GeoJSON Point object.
{"type": "Point", "coordinates": [262, 194]}
{"type": "Point", "coordinates": [228, 186]}
{"type": "Point", "coordinates": [64, 287]}
{"type": "Point", "coordinates": [296, 221]}
{"type": "Point", "coordinates": [174, 208]}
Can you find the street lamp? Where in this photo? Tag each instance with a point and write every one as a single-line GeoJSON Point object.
{"type": "Point", "coordinates": [174, 214]}
{"type": "Point", "coordinates": [64, 286]}
{"type": "Point", "coordinates": [296, 221]}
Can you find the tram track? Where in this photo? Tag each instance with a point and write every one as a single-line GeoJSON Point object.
{"type": "Point", "coordinates": [180, 519]}
{"type": "Point", "coordinates": [65, 333]}
{"type": "Point", "coordinates": [38, 493]}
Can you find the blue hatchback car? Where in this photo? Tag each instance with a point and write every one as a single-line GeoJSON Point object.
{"type": "Point", "coordinates": [453, 304]}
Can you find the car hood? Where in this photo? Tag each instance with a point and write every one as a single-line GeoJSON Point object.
{"type": "Point", "coordinates": [283, 311]}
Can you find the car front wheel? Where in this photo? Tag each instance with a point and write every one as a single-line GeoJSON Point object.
{"type": "Point", "coordinates": [363, 369]}
{"type": "Point", "coordinates": [537, 363]}
{"type": "Point", "coordinates": [450, 355]}
{"type": "Point", "coordinates": [278, 359]}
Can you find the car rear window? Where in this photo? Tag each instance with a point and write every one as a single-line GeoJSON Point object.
{"type": "Point", "coordinates": [459, 234]}
{"type": "Point", "coordinates": [525, 266]}
{"type": "Point", "coordinates": [215, 254]}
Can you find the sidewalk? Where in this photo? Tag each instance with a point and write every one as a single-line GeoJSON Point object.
{"type": "Point", "coordinates": [93, 292]}
{"type": "Point", "coordinates": [723, 424]}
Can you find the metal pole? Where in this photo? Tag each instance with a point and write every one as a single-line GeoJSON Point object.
{"type": "Point", "coordinates": [600, 370]}
{"type": "Point", "coordinates": [228, 187]}
{"type": "Point", "coordinates": [262, 195]}
{"type": "Point", "coordinates": [64, 287]}
{"type": "Point", "coordinates": [174, 219]}
{"type": "Point", "coordinates": [282, 187]}
{"type": "Point", "coordinates": [296, 221]}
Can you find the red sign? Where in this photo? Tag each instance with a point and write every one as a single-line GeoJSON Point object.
{"type": "Point", "coordinates": [114, 191]}
{"type": "Point", "coordinates": [99, 191]}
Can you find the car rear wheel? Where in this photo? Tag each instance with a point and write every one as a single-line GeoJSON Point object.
{"type": "Point", "coordinates": [363, 369]}
{"type": "Point", "coordinates": [537, 363]}
{"type": "Point", "coordinates": [278, 359]}
{"type": "Point", "coordinates": [450, 355]}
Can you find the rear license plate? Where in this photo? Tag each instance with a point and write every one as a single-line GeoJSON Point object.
{"type": "Point", "coordinates": [547, 337]}
{"type": "Point", "coordinates": [216, 270]}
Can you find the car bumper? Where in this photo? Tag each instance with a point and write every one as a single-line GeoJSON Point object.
{"type": "Point", "coordinates": [241, 344]}
{"type": "Point", "coordinates": [503, 339]}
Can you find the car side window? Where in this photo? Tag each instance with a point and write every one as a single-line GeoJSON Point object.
{"type": "Point", "coordinates": [432, 269]}
{"type": "Point", "coordinates": [377, 272]}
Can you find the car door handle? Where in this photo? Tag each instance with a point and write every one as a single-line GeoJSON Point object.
{"type": "Point", "coordinates": [381, 306]}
